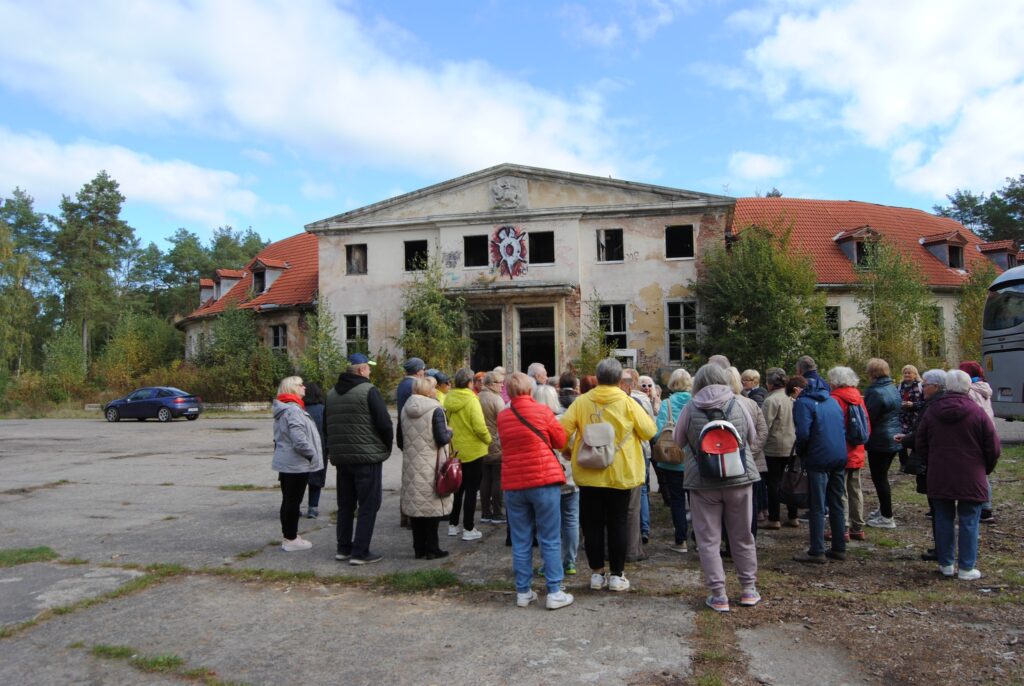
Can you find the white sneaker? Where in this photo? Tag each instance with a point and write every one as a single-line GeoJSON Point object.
{"type": "Point", "coordinates": [678, 548]}
{"type": "Point", "coordinates": [618, 583]}
{"type": "Point", "coordinates": [454, 529]}
{"type": "Point", "coordinates": [874, 514]}
{"type": "Point", "coordinates": [558, 599]}
{"type": "Point", "coordinates": [298, 543]}
{"type": "Point", "coordinates": [472, 535]}
{"type": "Point", "coordinates": [598, 581]}
{"type": "Point", "coordinates": [881, 522]}
{"type": "Point", "coordinates": [524, 599]}
{"type": "Point", "coordinates": [947, 570]}
{"type": "Point", "coordinates": [969, 574]}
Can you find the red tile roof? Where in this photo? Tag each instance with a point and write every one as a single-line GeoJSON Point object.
{"type": "Point", "coordinates": [273, 264]}
{"type": "Point", "coordinates": [999, 246]}
{"type": "Point", "coordinates": [206, 283]}
{"type": "Point", "coordinates": [228, 274]}
{"type": "Point", "coordinates": [816, 223]}
{"type": "Point", "coordinates": [297, 285]}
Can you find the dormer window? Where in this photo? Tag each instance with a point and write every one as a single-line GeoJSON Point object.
{"type": "Point", "coordinates": [259, 281]}
{"type": "Point", "coordinates": [854, 243]}
{"type": "Point", "coordinates": [947, 247]}
{"type": "Point", "coordinates": [1002, 254]}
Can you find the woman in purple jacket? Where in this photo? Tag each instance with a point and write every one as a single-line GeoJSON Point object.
{"type": "Point", "coordinates": [960, 445]}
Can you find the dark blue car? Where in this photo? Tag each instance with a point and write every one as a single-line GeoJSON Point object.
{"type": "Point", "coordinates": [160, 402]}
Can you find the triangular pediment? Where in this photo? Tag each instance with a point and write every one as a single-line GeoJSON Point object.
{"type": "Point", "coordinates": [510, 188]}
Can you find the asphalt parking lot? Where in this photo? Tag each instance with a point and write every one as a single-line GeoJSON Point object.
{"type": "Point", "coordinates": [111, 499]}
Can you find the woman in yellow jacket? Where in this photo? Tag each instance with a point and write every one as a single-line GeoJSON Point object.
{"type": "Point", "coordinates": [604, 493]}
{"type": "Point", "coordinates": [470, 438]}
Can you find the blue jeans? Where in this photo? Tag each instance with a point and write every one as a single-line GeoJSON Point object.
{"type": "Point", "coordinates": [676, 502]}
{"type": "Point", "coordinates": [570, 527]}
{"type": "Point", "coordinates": [358, 485]}
{"type": "Point", "coordinates": [535, 510]}
{"type": "Point", "coordinates": [827, 489]}
{"type": "Point", "coordinates": [645, 502]}
{"type": "Point", "coordinates": [969, 514]}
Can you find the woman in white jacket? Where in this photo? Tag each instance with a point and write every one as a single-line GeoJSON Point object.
{"type": "Point", "coordinates": [297, 453]}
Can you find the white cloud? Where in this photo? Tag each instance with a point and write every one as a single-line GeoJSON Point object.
{"type": "Point", "coordinates": [936, 86]}
{"type": "Point", "coordinates": [650, 16]}
{"type": "Point", "coordinates": [180, 189]}
{"type": "Point", "coordinates": [303, 74]}
{"type": "Point", "coordinates": [581, 28]}
{"type": "Point", "coordinates": [752, 166]}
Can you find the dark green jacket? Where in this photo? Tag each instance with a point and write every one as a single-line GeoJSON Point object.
{"type": "Point", "coordinates": [356, 422]}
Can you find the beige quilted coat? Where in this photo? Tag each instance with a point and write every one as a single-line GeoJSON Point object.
{"type": "Point", "coordinates": [419, 459]}
{"type": "Point", "coordinates": [492, 404]}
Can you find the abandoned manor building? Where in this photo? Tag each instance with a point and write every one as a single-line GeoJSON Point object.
{"type": "Point", "coordinates": [541, 255]}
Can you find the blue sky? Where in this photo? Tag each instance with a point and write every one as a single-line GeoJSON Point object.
{"type": "Point", "coordinates": [275, 114]}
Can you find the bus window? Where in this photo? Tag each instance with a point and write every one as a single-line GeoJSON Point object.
{"type": "Point", "coordinates": [1005, 308]}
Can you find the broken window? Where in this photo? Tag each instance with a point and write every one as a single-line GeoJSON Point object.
{"type": "Point", "coordinates": [475, 249]}
{"type": "Point", "coordinates": [613, 322]}
{"type": "Point", "coordinates": [682, 330]}
{"type": "Point", "coordinates": [415, 255]}
{"type": "Point", "coordinates": [541, 247]}
{"type": "Point", "coordinates": [832, 321]}
{"type": "Point", "coordinates": [609, 245]}
{"type": "Point", "coordinates": [679, 241]}
{"type": "Point", "coordinates": [355, 259]}
{"type": "Point", "coordinates": [357, 333]}
{"type": "Point", "coordinates": [279, 337]}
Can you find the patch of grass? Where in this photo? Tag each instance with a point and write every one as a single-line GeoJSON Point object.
{"type": "Point", "coordinates": [76, 644]}
{"type": "Point", "coordinates": [9, 557]}
{"type": "Point", "coordinates": [886, 543]}
{"type": "Point", "coordinates": [24, 490]}
{"type": "Point", "coordinates": [157, 663]}
{"type": "Point", "coordinates": [110, 652]}
{"type": "Point", "coordinates": [73, 561]}
{"type": "Point", "coordinates": [169, 518]}
{"type": "Point", "coordinates": [715, 656]}
{"type": "Point", "coordinates": [166, 483]}
{"type": "Point", "coordinates": [243, 487]}
{"type": "Point", "coordinates": [709, 680]}
{"type": "Point", "coordinates": [419, 580]}
{"type": "Point", "coordinates": [245, 555]}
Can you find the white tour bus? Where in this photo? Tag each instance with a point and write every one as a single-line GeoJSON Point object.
{"type": "Point", "coordinates": [1002, 343]}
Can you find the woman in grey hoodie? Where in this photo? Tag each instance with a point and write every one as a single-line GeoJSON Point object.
{"type": "Point", "coordinates": [711, 499]}
{"type": "Point", "coordinates": [297, 453]}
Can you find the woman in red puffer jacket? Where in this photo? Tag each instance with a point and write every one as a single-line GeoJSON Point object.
{"type": "Point", "coordinates": [531, 478]}
{"type": "Point", "coordinates": [843, 381]}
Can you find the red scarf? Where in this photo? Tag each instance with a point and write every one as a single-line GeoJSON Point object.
{"type": "Point", "coordinates": [291, 398]}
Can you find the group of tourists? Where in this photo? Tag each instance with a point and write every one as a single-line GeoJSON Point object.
{"type": "Point", "coordinates": [557, 458]}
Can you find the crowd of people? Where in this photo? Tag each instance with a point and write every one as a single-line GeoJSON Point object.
{"type": "Point", "coordinates": [560, 460]}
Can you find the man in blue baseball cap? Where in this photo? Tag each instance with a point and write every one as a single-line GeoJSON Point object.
{"type": "Point", "coordinates": [359, 437]}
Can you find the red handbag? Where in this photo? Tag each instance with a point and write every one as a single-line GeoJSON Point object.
{"type": "Point", "coordinates": [448, 474]}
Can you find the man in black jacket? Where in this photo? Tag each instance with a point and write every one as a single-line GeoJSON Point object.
{"type": "Point", "coordinates": [359, 432]}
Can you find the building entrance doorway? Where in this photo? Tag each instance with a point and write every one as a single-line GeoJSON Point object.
{"type": "Point", "coordinates": [487, 340]}
{"type": "Point", "coordinates": [537, 337]}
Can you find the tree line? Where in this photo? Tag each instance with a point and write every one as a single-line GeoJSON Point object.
{"type": "Point", "coordinates": [84, 305]}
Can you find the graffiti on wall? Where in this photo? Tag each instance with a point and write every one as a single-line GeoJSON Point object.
{"type": "Point", "coordinates": [508, 251]}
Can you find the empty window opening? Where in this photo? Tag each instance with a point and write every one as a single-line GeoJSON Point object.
{"type": "Point", "coordinates": [355, 259]}
{"type": "Point", "coordinates": [475, 249]}
{"type": "Point", "coordinates": [956, 257]}
{"type": "Point", "coordinates": [541, 248]}
{"type": "Point", "coordinates": [609, 245]}
{"type": "Point", "coordinates": [259, 282]}
{"type": "Point", "coordinates": [613, 322]}
{"type": "Point", "coordinates": [679, 241]}
{"type": "Point", "coordinates": [415, 255]}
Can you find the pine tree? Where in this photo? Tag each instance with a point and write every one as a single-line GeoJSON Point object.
{"type": "Point", "coordinates": [322, 360]}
